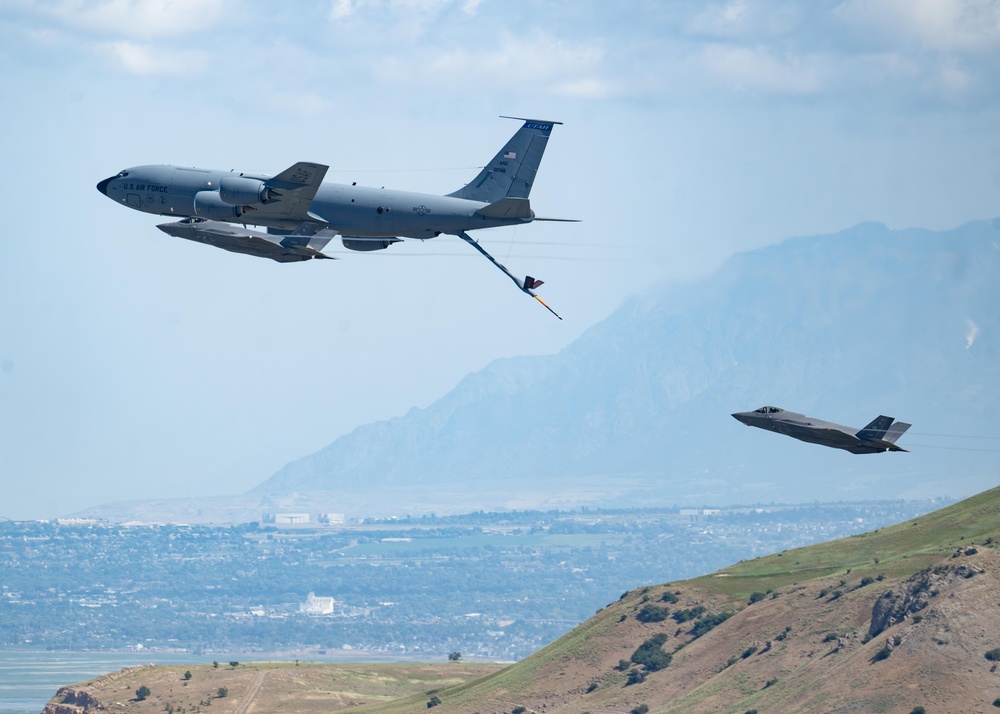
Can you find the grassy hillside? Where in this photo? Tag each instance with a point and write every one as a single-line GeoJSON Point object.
{"type": "Point", "coordinates": [806, 632]}
{"type": "Point", "coordinates": [790, 632]}
{"type": "Point", "coordinates": [897, 551]}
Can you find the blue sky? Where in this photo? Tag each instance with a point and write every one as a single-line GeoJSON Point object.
{"type": "Point", "coordinates": [135, 365]}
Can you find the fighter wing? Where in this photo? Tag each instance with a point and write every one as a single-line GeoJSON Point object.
{"type": "Point", "coordinates": [293, 191]}
{"type": "Point", "coordinates": [817, 433]}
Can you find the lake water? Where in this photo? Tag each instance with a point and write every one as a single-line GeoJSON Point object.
{"type": "Point", "coordinates": [29, 678]}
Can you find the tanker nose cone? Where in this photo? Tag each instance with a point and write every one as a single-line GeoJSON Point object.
{"type": "Point", "coordinates": [103, 185]}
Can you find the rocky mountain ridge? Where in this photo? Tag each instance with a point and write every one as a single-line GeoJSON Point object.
{"type": "Point", "coordinates": [843, 327]}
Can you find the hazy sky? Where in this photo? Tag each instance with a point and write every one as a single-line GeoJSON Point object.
{"type": "Point", "coordinates": [136, 365]}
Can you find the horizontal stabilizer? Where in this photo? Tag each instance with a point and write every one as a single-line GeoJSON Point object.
{"type": "Point", "coordinates": [507, 208]}
{"type": "Point", "coordinates": [895, 431]}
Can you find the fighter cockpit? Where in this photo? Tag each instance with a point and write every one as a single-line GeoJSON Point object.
{"type": "Point", "coordinates": [768, 410]}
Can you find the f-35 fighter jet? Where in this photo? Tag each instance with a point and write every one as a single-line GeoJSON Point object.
{"type": "Point", "coordinates": [880, 435]}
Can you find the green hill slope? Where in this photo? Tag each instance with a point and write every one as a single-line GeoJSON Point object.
{"type": "Point", "coordinates": [804, 644]}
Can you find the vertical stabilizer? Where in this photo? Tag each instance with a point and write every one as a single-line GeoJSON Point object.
{"type": "Point", "coordinates": [511, 172]}
{"type": "Point", "coordinates": [875, 430]}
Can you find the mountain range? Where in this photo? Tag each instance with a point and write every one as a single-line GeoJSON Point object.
{"type": "Point", "coordinates": [842, 327]}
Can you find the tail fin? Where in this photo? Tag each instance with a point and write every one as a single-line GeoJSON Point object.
{"type": "Point", "coordinates": [512, 171]}
{"type": "Point", "coordinates": [877, 429]}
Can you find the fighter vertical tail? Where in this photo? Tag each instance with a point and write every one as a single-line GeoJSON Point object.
{"type": "Point", "coordinates": [884, 429]}
{"type": "Point", "coordinates": [511, 172]}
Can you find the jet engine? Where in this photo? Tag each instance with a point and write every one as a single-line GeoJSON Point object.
{"type": "Point", "coordinates": [239, 191]}
{"type": "Point", "coordinates": [367, 244]}
{"type": "Point", "coordinates": [208, 204]}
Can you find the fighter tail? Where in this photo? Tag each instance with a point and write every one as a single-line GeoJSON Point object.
{"type": "Point", "coordinates": [877, 429]}
{"type": "Point", "coordinates": [511, 172]}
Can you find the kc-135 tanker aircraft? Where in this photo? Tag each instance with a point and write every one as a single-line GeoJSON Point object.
{"type": "Point", "coordinates": [878, 436]}
{"type": "Point", "coordinates": [302, 214]}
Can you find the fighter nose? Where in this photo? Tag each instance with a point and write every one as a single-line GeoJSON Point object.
{"type": "Point", "coordinates": [103, 185]}
{"type": "Point", "coordinates": [740, 416]}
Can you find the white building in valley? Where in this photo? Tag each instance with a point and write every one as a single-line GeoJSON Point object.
{"type": "Point", "coordinates": [316, 605]}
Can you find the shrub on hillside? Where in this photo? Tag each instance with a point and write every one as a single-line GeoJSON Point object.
{"type": "Point", "coordinates": [993, 655]}
{"type": "Point", "coordinates": [708, 623]}
{"type": "Point", "coordinates": [682, 616]}
{"type": "Point", "coordinates": [882, 654]}
{"type": "Point", "coordinates": [670, 597]}
{"type": "Point", "coordinates": [635, 676]}
{"type": "Point", "coordinates": [756, 597]}
{"type": "Point", "coordinates": [650, 654]}
{"type": "Point", "coordinates": [652, 613]}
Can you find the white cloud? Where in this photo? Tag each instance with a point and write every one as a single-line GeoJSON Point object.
{"type": "Point", "coordinates": [144, 59]}
{"type": "Point", "coordinates": [759, 69]}
{"type": "Point", "coordinates": [971, 332]}
{"type": "Point", "coordinates": [939, 25]}
{"type": "Point", "coordinates": [393, 14]}
{"type": "Point", "coordinates": [469, 7]}
{"type": "Point", "coordinates": [138, 18]}
{"type": "Point", "coordinates": [537, 62]}
{"type": "Point", "coordinates": [745, 19]}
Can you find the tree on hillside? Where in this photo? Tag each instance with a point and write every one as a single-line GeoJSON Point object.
{"type": "Point", "coordinates": [651, 655]}
{"type": "Point", "coordinates": [454, 656]}
{"type": "Point", "coordinates": [142, 692]}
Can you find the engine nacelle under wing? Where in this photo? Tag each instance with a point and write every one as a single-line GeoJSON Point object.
{"type": "Point", "coordinates": [208, 204]}
{"type": "Point", "coordinates": [368, 244]}
{"type": "Point", "coordinates": [239, 191]}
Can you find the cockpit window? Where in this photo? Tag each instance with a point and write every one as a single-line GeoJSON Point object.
{"type": "Point", "coordinates": [122, 174]}
{"type": "Point", "coordinates": [768, 410]}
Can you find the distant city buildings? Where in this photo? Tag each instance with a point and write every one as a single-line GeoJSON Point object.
{"type": "Point", "coordinates": [304, 519]}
